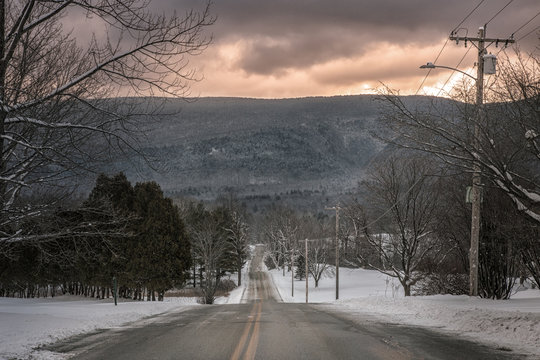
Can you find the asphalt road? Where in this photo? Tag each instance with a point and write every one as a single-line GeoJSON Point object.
{"type": "Point", "coordinates": [265, 328]}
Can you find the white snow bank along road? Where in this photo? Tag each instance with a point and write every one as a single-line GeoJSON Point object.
{"type": "Point", "coordinates": [513, 324]}
{"type": "Point", "coordinates": [28, 323]}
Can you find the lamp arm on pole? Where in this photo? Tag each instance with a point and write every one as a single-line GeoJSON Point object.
{"type": "Point", "coordinates": [433, 66]}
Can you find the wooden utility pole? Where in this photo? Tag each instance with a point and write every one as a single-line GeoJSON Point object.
{"type": "Point", "coordinates": [307, 274]}
{"type": "Point", "coordinates": [337, 208]}
{"type": "Point", "coordinates": [292, 271]}
{"type": "Point", "coordinates": [481, 40]}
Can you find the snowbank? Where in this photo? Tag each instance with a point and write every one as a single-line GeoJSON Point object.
{"type": "Point", "coordinates": [237, 295]}
{"type": "Point", "coordinates": [513, 323]}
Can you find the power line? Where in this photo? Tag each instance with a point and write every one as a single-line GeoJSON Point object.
{"type": "Point", "coordinates": [529, 33]}
{"type": "Point", "coordinates": [522, 26]}
{"type": "Point", "coordinates": [453, 71]}
{"type": "Point", "coordinates": [429, 72]}
{"type": "Point", "coordinates": [500, 11]}
{"type": "Point", "coordinates": [470, 13]}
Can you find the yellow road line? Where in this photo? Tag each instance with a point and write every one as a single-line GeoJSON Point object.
{"type": "Point", "coordinates": [247, 328]}
{"type": "Point", "coordinates": [254, 341]}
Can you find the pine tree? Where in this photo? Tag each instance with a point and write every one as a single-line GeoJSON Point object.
{"type": "Point", "coordinates": [161, 256]}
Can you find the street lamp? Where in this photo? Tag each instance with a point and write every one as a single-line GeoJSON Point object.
{"type": "Point", "coordinates": [431, 65]}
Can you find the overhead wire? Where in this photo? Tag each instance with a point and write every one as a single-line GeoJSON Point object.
{"type": "Point", "coordinates": [466, 17]}
{"type": "Point", "coordinates": [453, 71]}
{"type": "Point", "coordinates": [519, 29]}
{"type": "Point", "coordinates": [500, 11]}
{"type": "Point", "coordinates": [527, 23]}
{"type": "Point", "coordinates": [491, 19]}
{"type": "Point", "coordinates": [429, 71]}
{"type": "Point", "coordinates": [529, 33]}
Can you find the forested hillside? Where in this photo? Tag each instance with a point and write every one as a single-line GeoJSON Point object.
{"type": "Point", "coordinates": [260, 148]}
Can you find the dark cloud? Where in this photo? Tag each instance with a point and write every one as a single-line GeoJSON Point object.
{"type": "Point", "coordinates": [281, 35]}
{"type": "Point", "coordinates": [263, 48]}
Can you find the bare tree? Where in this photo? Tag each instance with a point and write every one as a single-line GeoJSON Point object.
{"type": "Point", "coordinates": [351, 226]}
{"type": "Point", "coordinates": [58, 111]}
{"type": "Point", "coordinates": [209, 247]}
{"type": "Point", "coordinates": [321, 248]}
{"type": "Point", "coordinates": [319, 259]}
{"type": "Point", "coordinates": [401, 190]}
{"type": "Point", "coordinates": [507, 143]}
{"type": "Point", "coordinates": [281, 228]}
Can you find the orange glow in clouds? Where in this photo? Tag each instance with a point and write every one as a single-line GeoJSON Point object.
{"type": "Point", "coordinates": [392, 65]}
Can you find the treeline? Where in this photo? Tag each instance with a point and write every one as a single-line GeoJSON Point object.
{"type": "Point", "coordinates": [132, 236]}
{"type": "Point", "coordinates": [131, 233]}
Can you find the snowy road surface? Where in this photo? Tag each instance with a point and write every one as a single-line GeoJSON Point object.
{"type": "Point", "coordinates": [265, 328]}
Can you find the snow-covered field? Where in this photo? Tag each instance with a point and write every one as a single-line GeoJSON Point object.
{"type": "Point", "coordinates": [28, 323]}
{"type": "Point", "coordinates": [512, 324]}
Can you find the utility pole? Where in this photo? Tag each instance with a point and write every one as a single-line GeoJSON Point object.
{"type": "Point", "coordinates": [307, 274]}
{"type": "Point", "coordinates": [477, 175]}
{"type": "Point", "coordinates": [292, 270]}
{"type": "Point", "coordinates": [337, 208]}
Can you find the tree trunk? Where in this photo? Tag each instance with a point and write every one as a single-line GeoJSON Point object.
{"type": "Point", "coordinates": [406, 289]}
{"type": "Point", "coordinates": [239, 275]}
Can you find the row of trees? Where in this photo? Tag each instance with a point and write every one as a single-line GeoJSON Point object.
{"type": "Point", "coordinates": [132, 234]}
{"type": "Point", "coordinates": [284, 234]}
{"type": "Point", "coordinates": [410, 221]}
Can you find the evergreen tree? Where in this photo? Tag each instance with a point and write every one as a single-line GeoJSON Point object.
{"type": "Point", "coordinates": [300, 267]}
{"type": "Point", "coordinates": [112, 197]}
{"type": "Point", "coordinates": [161, 255]}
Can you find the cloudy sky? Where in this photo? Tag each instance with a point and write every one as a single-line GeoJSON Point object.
{"type": "Point", "coordinates": [295, 48]}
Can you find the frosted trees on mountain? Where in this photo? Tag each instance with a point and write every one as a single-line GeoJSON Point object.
{"type": "Point", "coordinates": [58, 114]}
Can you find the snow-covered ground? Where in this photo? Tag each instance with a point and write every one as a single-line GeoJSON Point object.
{"type": "Point", "coordinates": [28, 323]}
{"type": "Point", "coordinates": [513, 324]}
{"type": "Point", "coordinates": [237, 295]}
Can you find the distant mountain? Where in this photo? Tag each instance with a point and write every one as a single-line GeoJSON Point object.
{"type": "Point", "coordinates": [262, 148]}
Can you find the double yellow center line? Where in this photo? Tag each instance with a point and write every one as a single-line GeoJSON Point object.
{"type": "Point", "coordinates": [253, 323]}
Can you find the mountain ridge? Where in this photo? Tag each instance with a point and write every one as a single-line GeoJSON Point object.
{"type": "Point", "coordinates": [258, 147]}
